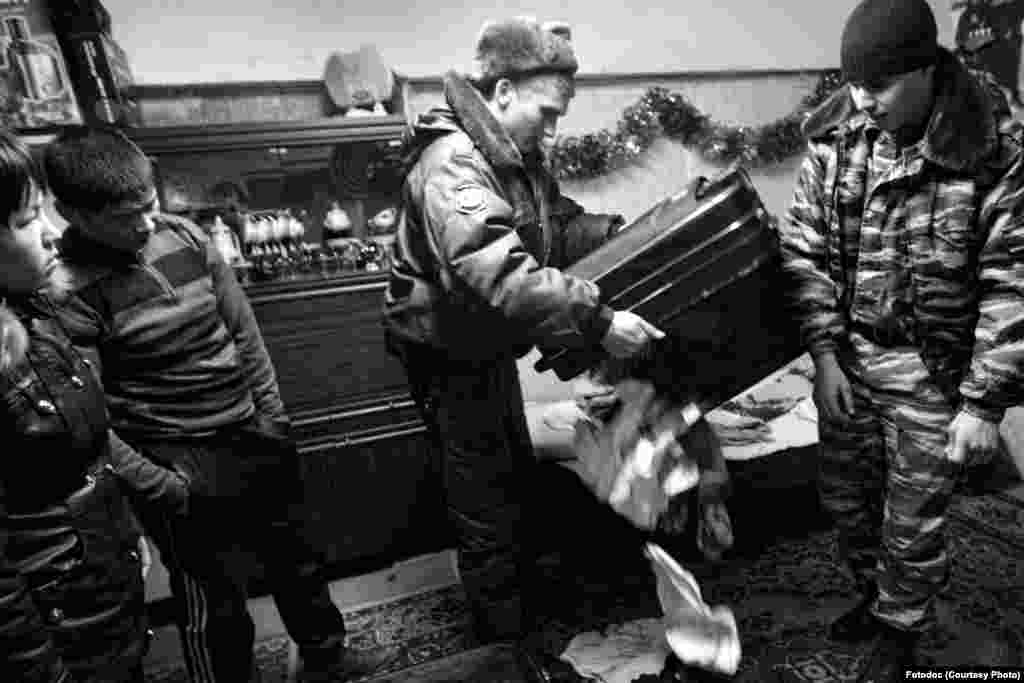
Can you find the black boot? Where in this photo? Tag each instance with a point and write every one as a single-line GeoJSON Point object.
{"type": "Point", "coordinates": [892, 653]}
{"type": "Point", "coordinates": [858, 624]}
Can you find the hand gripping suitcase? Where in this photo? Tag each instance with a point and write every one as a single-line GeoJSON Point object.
{"type": "Point", "coordinates": [703, 265]}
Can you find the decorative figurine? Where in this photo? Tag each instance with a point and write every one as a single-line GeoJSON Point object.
{"type": "Point", "coordinates": [296, 229]}
{"type": "Point", "coordinates": [280, 226]}
{"type": "Point", "coordinates": [384, 222]}
{"type": "Point", "coordinates": [370, 256]}
{"type": "Point", "coordinates": [337, 221]}
{"type": "Point", "coordinates": [226, 241]}
{"type": "Point", "coordinates": [359, 82]}
{"type": "Point", "coordinates": [250, 231]}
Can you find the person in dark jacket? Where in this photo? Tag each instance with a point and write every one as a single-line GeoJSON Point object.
{"type": "Point", "coordinates": [189, 383]}
{"type": "Point", "coordinates": [476, 283]}
{"type": "Point", "coordinates": [72, 606]}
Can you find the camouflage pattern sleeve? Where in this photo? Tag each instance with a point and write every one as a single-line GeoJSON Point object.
{"type": "Point", "coordinates": [995, 379]}
{"type": "Point", "coordinates": [803, 236]}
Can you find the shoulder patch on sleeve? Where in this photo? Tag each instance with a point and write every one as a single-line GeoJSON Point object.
{"type": "Point", "coordinates": [470, 198]}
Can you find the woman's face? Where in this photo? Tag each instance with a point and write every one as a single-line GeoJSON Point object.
{"type": "Point", "coordinates": [28, 255]}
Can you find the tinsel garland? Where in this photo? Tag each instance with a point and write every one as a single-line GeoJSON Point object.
{"type": "Point", "coordinates": [660, 113]}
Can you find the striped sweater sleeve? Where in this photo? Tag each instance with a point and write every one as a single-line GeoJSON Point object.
{"type": "Point", "coordinates": [804, 240]}
{"type": "Point", "coordinates": [241, 323]}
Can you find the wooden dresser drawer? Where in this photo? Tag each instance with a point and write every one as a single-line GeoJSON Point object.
{"type": "Point", "coordinates": [327, 344]}
{"type": "Point", "coordinates": [373, 496]}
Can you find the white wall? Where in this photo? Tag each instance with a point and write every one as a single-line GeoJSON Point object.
{"type": "Point", "coordinates": [189, 41]}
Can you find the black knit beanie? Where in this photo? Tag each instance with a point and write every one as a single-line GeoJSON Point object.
{"type": "Point", "coordinates": [884, 38]}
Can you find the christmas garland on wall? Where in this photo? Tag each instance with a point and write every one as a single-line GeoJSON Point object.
{"type": "Point", "coordinates": [660, 113]}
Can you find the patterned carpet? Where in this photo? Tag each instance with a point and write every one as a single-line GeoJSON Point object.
{"type": "Point", "coordinates": [786, 598]}
{"type": "Point", "coordinates": [785, 587]}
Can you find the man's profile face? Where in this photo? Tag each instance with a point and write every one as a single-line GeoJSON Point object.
{"type": "Point", "coordinates": [529, 110]}
{"type": "Point", "coordinates": [896, 102]}
{"type": "Point", "coordinates": [125, 226]}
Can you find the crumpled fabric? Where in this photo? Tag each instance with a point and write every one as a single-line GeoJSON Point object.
{"type": "Point", "coordinates": [631, 458]}
{"type": "Point", "coordinates": [699, 635]}
{"type": "Point", "coordinates": [620, 653]}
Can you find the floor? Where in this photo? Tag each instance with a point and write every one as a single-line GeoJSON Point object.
{"type": "Point", "coordinates": [439, 569]}
{"type": "Point", "coordinates": [405, 578]}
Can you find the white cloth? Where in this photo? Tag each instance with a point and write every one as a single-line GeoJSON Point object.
{"type": "Point", "coordinates": [620, 654]}
{"type": "Point", "coordinates": [699, 635]}
{"type": "Point", "coordinates": [776, 414]}
{"type": "Point", "coordinates": [633, 461]}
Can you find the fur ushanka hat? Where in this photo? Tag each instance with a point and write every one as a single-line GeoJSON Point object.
{"type": "Point", "coordinates": [521, 46]}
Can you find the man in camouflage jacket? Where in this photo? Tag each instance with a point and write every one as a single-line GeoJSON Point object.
{"type": "Point", "coordinates": [906, 243]}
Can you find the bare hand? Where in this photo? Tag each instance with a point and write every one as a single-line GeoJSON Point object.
{"type": "Point", "coordinates": [629, 334]}
{"type": "Point", "coordinates": [833, 395]}
{"type": "Point", "coordinates": [971, 439]}
{"type": "Point", "coordinates": [597, 398]}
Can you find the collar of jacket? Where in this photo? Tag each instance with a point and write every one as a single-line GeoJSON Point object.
{"type": "Point", "coordinates": [962, 129]}
{"type": "Point", "coordinates": [489, 136]}
{"type": "Point", "coordinates": [76, 247]}
{"type": "Point", "coordinates": [18, 315]}
{"type": "Point", "coordinates": [26, 308]}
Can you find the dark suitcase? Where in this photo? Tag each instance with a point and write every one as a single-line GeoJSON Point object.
{"type": "Point", "coordinates": [703, 266]}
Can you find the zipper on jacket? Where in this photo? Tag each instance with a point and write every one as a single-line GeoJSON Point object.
{"type": "Point", "coordinates": [165, 284]}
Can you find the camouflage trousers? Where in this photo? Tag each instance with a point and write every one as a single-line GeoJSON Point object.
{"type": "Point", "coordinates": [884, 480]}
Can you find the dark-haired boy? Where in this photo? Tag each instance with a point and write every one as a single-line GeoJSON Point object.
{"type": "Point", "coordinates": [189, 382]}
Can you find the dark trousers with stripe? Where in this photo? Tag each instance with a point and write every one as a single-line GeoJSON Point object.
{"type": "Point", "coordinates": [211, 554]}
{"type": "Point", "coordinates": [475, 415]}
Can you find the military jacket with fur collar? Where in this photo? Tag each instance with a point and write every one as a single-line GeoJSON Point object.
{"type": "Point", "coordinates": [482, 234]}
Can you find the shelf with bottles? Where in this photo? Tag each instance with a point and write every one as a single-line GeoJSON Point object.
{"type": "Point", "coordinates": [273, 248]}
{"type": "Point", "coordinates": [274, 186]}
{"type": "Point", "coordinates": [271, 245]}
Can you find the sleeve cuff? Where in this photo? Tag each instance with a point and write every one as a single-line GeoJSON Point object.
{"type": "Point", "coordinates": [985, 411]}
{"type": "Point", "coordinates": [182, 492]}
{"type": "Point", "coordinates": [821, 347]}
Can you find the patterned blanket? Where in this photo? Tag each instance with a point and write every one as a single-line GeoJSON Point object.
{"type": "Point", "coordinates": [774, 415]}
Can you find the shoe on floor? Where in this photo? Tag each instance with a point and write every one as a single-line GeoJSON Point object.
{"type": "Point", "coordinates": [353, 665]}
{"type": "Point", "coordinates": [858, 624]}
{"type": "Point", "coordinates": [892, 653]}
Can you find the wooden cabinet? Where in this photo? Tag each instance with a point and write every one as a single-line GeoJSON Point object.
{"type": "Point", "coordinates": [366, 459]}
{"type": "Point", "coordinates": [302, 167]}
{"type": "Point", "coordinates": [367, 465]}
{"type": "Point", "coordinates": [327, 342]}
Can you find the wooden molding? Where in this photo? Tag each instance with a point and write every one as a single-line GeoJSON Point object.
{"type": "Point", "coordinates": [234, 136]}
{"type": "Point", "coordinates": [226, 89]}
{"type": "Point", "coordinates": [315, 86]}
{"type": "Point", "coordinates": [599, 79]}
{"type": "Point", "coordinates": [286, 290]}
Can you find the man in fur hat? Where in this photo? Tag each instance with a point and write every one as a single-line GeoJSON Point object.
{"type": "Point", "coordinates": [906, 239]}
{"type": "Point", "coordinates": [475, 284]}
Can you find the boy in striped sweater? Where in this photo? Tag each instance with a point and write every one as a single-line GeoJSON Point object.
{"type": "Point", "coordinates": [190, 384]}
